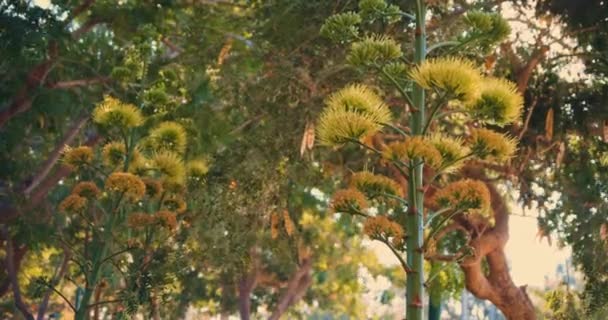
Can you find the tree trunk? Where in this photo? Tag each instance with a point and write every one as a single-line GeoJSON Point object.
{"type": "Point", "coordinates": [496, 286]}
{"type": "Point", "coordinates": [296, 288]}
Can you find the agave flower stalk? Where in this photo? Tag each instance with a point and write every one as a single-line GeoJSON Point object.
{"type": "Point", "coordinates": [415, 217]}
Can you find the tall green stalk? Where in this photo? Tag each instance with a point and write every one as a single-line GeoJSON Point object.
{"type": "Point", "coordinates": [435, 292]}
{"type": "Point", "coordinates": [415, 218]}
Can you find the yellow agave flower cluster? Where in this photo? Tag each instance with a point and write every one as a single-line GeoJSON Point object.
{"type": "Point", "coordinates": [352, 113]}
{"type": "Point", "coordinates": [356, 112]}
{"type": "Point", "coordinates": [364, 185]}
{"type": "Point", "coordinates": [160, 154]}
{"type": "Point", "coordinates": [382, 228]}
{"type": "Point", "coordinates": [153, 169]}
{"type": "Point", "coordinates": [465, 195]}
{"type": "Point", "coordinates": [488, 99]}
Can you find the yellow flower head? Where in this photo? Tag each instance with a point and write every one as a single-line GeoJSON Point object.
{"type": "Point", "coordinates": [86, 189]}
{"type": "Point", "coordinates": [458, 78]}
{"type": "Point", "coordinates": [348, 200]}
{"type": "Point", "coordinates": [374, 49]}
{"type": "Point", "coordinates": [499, 102]}
{"type": "Point", "coordinates": [375, 185]}
{"type": "Point", "coordinates": [466, 195]}
{"type": "Point", "coordinates": [167, 219]}
{"type": "Point", "coordinates": [197, 169]}
{"type": "Point", "coordinates": [139, 164]}
{"type": "Point", "coordinates": [154, 189]}
{"type": "Point", "coordinates": [139, 220]}
{"type": "Point", "coordinates": [352, 113]}
{"type": "Point", "coordinates": [170, 165]}
{"type": "Point", "coordinates": [78, 157]}
{"type": "Point", "coordinates": [114, 154]}
{"type": "Point", "coordinates": [452, 150]}
{"type": "Point", "coordinates": [382, 228]}
{"type": "Point", "coordinates": [337, 127]}
{"type": "Point", "coordinates": [131, 186]}
{"type": "Point", "coordinates": [73, 203]}
{"type": "Point", "coordinates": [360, 98]}
{"type": "Point", "coordinates": [169, 136]}
{"type": "Point", "coordinates": [176, 204]}
{"type": "Point", "coordinates": [111, 112]}
{"type": "Point", "coordinates": [491, 145]}
{"type": "Point", "coordinates": [412, 148]}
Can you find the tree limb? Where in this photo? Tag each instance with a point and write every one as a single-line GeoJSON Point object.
{"type": "Point", "coordinates": [12, 275]}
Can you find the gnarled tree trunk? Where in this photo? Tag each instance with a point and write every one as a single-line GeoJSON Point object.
{"type": "Point", "coordinates": [496, 286]}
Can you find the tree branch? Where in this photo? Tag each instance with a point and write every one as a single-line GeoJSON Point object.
{"type": "Point", "coordinates": [296, 288]}
{"type": "Point", "coordinates": [12, 275]}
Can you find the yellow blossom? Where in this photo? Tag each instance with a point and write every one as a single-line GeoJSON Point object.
{"type": "Point", "coordinates": [354, 112]}
{"type": "Point", "coordinates": [349, 200]}
{"type": "Point", "coordinates": [382, 228]}
{"type": "Point", "coordinates": [78, 157]}
{"type": "Point", "coordinates": [412, 148]}
{"type": "Point", "coordinates": [154, 189]}
{"type": "Point", "coordinates": [459, 79]}
{"type": "Point", "coordinates": [127, 184]}
{"type": "Point", "coordinates": [337, 127]}
{"type": "Point", "coordinates": [170, 165]}
{"type": "Point", "coordinates": [375, 185]}
{"type": "Point", "coordinates": [86, 189]}
{"type": "Point", "coordinates": [453, 151]}
{"type": "Point", "coordinates": [73, 203]}
{"type": "Point", "coordinates": [465, 195]}
{"type": "Point", "coordinates": [197, 169]}
{"type": "Point", "coordinates": [499, 102]}
{"type": "Point", "coordinates": [167, 219]}
{"type": "Point", "coordinates": [111, 112]}
{"type": "Point", "coordinates": [170, 136]}
{"type": "Point", "coordinates": [491, 145]}
{"type": "Point", "coordinates": [362, 99]}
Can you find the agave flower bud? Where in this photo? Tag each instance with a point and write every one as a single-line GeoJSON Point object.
{"type": "Point", "coordinates": [499, 102]}
{"type": "Point", "coordinates": [378, 9]}
{"type": "Point", "coordinates": [374, 50]}
{"type": "Point", "coordinates": [487, 28]}
{"type": "Point", "coordinates": [457, 78]}
{"type": "Point", "coordinates": [341, 27]}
